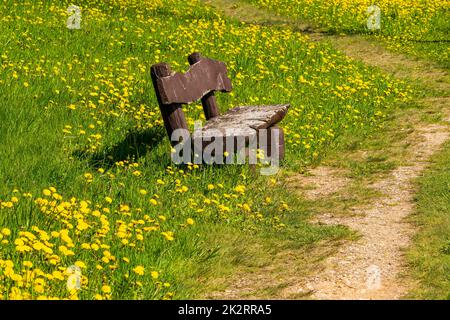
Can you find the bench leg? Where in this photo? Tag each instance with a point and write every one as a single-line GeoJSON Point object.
{"type": "Point", "coordinates": [279, 144]}
{"type": "Point", "coordinates": [242, 145]}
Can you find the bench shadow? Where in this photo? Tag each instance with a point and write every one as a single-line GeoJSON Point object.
{"type": "Point", "coordinates": [135, 145]}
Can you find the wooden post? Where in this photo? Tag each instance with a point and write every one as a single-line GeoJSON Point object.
{"type": "Point", "coordinates": [172, 114]}
{"type": "Point", "coordinates": [279, 144]}
{"type": "Point", "coordinates": [210, 107]}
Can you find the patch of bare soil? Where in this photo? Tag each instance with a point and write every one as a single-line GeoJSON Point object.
{"type": "Point", "coordinates": [270, 281]}
{"type": "Point", "coordinates": [248, 13]}
{"type": "Point", "coordinates": [319, 182]}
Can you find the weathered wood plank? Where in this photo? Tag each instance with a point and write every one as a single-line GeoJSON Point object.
{"type": "Point", "coordinates": [244, 121]}
{"type": "Point", "coordinates": [203, 77]}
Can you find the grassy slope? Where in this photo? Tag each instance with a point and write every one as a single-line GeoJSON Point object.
{"type": "Point", "coordinates": [430, 257]}
{"type": "Point", "coordinates": [78, 113]}
{"type": "Point", "coordinates": [418, 28]}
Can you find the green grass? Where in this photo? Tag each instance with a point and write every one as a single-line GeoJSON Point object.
{"type": "Point", "coordinates": [429, 258]}
{"type": "Point", "coordinates": [418, 28]}
{"type": "Point", "coordinates": [84, 152]}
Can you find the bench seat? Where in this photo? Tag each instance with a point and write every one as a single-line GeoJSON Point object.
{"type": "Point", "coordinates": [244, 120]}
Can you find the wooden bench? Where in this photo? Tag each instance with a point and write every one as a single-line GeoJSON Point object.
{"type": "Point", "coordinates": [204, 77]}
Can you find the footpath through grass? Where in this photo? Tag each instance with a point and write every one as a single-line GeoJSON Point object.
{"type": "Point", "coordinates": [85, 171]}
{"type": "Point", "coordinates": [418, 27]}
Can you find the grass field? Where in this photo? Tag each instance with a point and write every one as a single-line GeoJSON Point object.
{"type": "Point", "coordinates": [430, 256]}
{"type": "Point", "coordinates": [85, 171]}
{"type": "Point", "coordinates": [414, 27]}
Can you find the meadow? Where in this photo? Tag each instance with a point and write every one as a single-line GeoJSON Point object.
{"type": "Point", "coordinates": [85, 171]}
{"type": "Point", "coordinates": [430, 257]}
{"type": "Point", "coordinates": [418, 27]}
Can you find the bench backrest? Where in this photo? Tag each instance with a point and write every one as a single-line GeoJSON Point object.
{"type": "Point", "coordinates": [204, 77]}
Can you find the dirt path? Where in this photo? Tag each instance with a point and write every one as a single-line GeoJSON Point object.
{"type": "Point", "coordinates": [371, 267]}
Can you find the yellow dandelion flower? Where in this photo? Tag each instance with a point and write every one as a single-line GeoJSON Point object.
{"type": "Point", "coordinates": [139, 270]}
{"type": "Point", "coordinates": [168, 235]}
{"type": "Point", "coordinates": [106, 289]}
{"type": "Point", "coordinates": [240, 189]}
